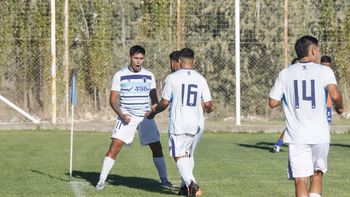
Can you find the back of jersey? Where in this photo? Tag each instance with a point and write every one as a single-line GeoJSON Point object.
{"type": "Point", "coordinates": [186, 89]}
{"type": "Point", "coordinates": [302, 88]}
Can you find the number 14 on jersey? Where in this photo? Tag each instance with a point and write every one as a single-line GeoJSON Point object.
{"type": "Point", "coordinates": [305, 97]}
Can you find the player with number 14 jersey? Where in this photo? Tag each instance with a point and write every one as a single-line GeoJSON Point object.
{"type": "Point", "coordinates": [305, 108]}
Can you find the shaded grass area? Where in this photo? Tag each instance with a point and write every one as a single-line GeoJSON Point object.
{"type": "Point", "coordinates": [35, 163]}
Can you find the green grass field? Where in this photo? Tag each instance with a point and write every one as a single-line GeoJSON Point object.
{"type": "Point", "coordinates": [35, 163]}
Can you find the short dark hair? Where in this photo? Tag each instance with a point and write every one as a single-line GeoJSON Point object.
{"type": "Point", "coordinates": [186, 53]}
{"type": "Point", "coordinates": [326, 58]}
{"type": "Point", "coordinates": [302, 45]}
{"type": "Point", "coordinates": [295, 60]}
{"type": "Point", "coordinates": [137, 49]}
{"type": "Point", "coordinates": [175, 55]}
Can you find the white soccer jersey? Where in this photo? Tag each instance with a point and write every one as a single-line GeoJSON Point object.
{"type": "Point", "coordinates": [134, 90]}
{"type": "Point", "coordinates": [186, 89]}
{"type": "Point", "coordinates": [302, 89]}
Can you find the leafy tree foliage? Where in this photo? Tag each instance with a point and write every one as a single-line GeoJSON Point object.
{"type": "Point", "coordinates": [101, 33]}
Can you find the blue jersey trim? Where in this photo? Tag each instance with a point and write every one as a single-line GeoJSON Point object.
{"type": "Point", "coordinates": [134, 103]}
{"type": "Point", "coordinates": [135, 77]}
{"type": "Point", "coordinates": [134, 96]}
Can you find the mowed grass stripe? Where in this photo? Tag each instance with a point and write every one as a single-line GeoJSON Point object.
{"type": "Point", "coordinates": [35, 163]}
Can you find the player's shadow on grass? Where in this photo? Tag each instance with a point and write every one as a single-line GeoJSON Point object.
{"type": "Point", "coordinates": [341, 145]}
{"type": "Point", "coordinates": [49, 175]}
{"type": "Point", "coordinates": [262, 145]}
{"type": "Point", "coordinates": [269, 146]}
{"type": "Point", "coordinates": [146, 184]}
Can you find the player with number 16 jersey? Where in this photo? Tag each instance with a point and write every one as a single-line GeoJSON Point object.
{"type": "Point", "coordinates": [186, 89]}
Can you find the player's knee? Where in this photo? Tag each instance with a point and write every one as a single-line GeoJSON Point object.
{"type": "Point", "coordinates": [317, 176]}
{"type": "Point", "coordinates": [301, 181]}
{"type": "Point", "coordinates": [318, 173]}
{"type": "Point", "coordinates": [184, 156]}
{"type": "Point", "coordinates": [156, 148]}
{"type": "Point", "coordinates": [114, 149]}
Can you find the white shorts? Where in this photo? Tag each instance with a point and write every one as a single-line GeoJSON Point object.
{"type": "Point", "coordinates": [197, 138]}
{"type": "Point", "coordinates": [183, 145]}
{"type": "Point", "coordinates": [305, 159]}
{"type": "Point", "coordinates": [147, 129]}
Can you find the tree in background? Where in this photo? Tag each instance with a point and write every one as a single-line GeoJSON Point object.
{"type": "Point", "coordinates": [101, 32]}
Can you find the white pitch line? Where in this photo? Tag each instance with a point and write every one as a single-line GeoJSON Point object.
{"type": "Point", "coordinates": [78, 188]}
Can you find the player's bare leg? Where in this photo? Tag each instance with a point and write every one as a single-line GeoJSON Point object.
{"type": "Point", "coordinates": [301, 188]}
{"type": "Point", "coordinates": [316, 183]}
{"type": "Point", "coordinates": [159, 162]}
{"type": "Point", "coordinates": [108, 162]}
{"type": "Point", "coordinates": [156, 148]}
{"type": "Point", "coordinates": [114, 148]}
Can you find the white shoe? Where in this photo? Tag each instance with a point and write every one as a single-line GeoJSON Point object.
{"type": "Point", "coordinates": [277, 149]}
{"type": "Point", "coordinates": [100, 185]}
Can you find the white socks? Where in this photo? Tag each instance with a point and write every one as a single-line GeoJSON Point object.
{"type": "Point", "coordinates": [315, 195]}
{"type": "Point", "coordinates": [106, 167]}
{"type": "Point", "coordinates": [192, 163]}
{"type": "Point", "coordinates": [159, 162]}
{"type": "Point", "coordinates": [183, 183]}
{"type": "Point", "coordinates": [184, 165]}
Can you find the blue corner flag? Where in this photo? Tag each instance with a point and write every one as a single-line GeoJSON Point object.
{"type": "Point", "coordinates": [73, 94]}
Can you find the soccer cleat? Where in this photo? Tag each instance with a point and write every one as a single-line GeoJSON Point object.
{"type": "Point", "coordinates": [100, 185]}
{"type": "Point", "coordinates": [183, 191]}
{"type": "Point", "coordinates": [166, 184]}
{"type": "Point", "coordinates": [276, 149]}
{"type": "Point", "coordinates": [193, 190]}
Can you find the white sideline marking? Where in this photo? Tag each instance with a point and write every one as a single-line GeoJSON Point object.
{"type": "Point", "coordinates": [78, 188]}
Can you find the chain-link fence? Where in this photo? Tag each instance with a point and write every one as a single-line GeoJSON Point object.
{"type": "Point", "coordinates": [101, 33]}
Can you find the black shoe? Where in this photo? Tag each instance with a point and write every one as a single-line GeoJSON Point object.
{"type": "Point", "coordinates": [183, 191]}
{"type": "Point", "coordinates": [193, 188]}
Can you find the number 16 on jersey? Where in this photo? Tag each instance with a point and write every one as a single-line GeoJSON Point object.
{"type": "Point", "coordinates": [189, 94]}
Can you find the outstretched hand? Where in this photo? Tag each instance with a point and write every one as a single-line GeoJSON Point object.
{"type": "Point", "coordinates": [126, 118]}
{"type": "Point", "coordinates": [151, 114]}
{"type": "Point", "coordinates": [338, 110]}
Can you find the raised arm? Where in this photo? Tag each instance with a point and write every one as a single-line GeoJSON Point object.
{"type": "Point", "coordinates": [114, 101]}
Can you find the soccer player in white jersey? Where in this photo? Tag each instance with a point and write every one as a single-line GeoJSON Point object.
{"type": "Point", "coordinates": [325, 60]}
{"type": "Point", "coordinates": [174, 66]}
{"type": "Point", "coordinates": [131, 88]}
{"type": "Point", "coordinates": [185, 90]}
{"type": "Point", "coordinates": [301, 88]}
{"type": "Point", "coordinates": [277, 147]}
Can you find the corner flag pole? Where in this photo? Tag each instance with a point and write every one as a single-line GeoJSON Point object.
{"type": "Point", "coordinates": [73, 103]}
